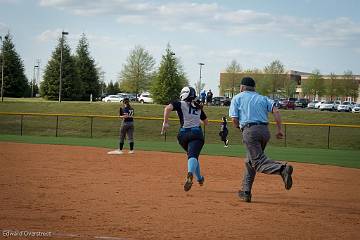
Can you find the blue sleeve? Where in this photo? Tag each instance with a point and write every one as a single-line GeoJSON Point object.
{"type": "Point", "coordinates": [269, 104]}
{"type": "Point", "coordinates": [176, 105]}
{"type": "Point", "coordinates": [234, 108]}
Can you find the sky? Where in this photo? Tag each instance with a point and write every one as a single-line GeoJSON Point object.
{"type": "Point", "coordinates": [304, 34]}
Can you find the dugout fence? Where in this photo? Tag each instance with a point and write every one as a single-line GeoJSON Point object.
{"type": "Point", "coordinates": [330, 136]}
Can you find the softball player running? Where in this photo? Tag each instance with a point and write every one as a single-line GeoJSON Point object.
{"type": "Point", "coordinates": [190, 134]}
{"type": "Point", "coordinates": [127, 127]}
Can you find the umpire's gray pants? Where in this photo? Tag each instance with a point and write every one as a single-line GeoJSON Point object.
{"type": "Point", "coordinates": [127, 128]}
{"type": "Point", "coordinates": [255, 139]}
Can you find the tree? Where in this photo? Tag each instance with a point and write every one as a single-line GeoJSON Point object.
{"type": "Point", "coordinates": [233, 68]}
{"type": "Point", "coordinates": [15, 81]}
{"type": "Point", "coordinates": [71, 85]}
{"type": "Point", "coordinates": [169, 80]}
{"type": "Point", "coordinates": [332, 87]}
{"type": "Point", "coordinates": [137, 73]}
{"type": "Point", "coordinates": [254, 70]}
{"type": "Point", "coordinates": [87, 71]}
{"type": "Point", "coordinates": [112, 88]}
{"type": "Point", "coordinates": [289, 87]}
{"type": "Point", "coordinates": [314, 85]}
{"type": "Point", "coordinates": [275, 75]}
{"type": "Point", "coordinates": [262, 85]}
{"type": "Point", "coordinates": [350, 84]}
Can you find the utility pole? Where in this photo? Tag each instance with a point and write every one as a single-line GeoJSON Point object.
{"type": "Point", "coordinates": [2, 69]}
{"type": "Point", "coordinates": [201, 64]}
{"type": "Point", "coordinates": [33, 81]}
{"type": "Point", "coordinates": [61, 58]}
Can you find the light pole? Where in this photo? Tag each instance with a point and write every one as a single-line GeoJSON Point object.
{"type": "Point", "coordinates": [61, 58]}
{"type": "Point", "coordinates": [200, 64]}
{"type": "Point", "coordinates": [33, 82]}
{"type": "Point", "coordinates": [2, 69]}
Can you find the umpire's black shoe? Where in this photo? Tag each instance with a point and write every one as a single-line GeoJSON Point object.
{"type": "Point", "coordinates": [286, 176]}
{"type": "Point", "coordinates": [201, 181]}
{"type": "Point", "coordinates": [189, 182]}
{"type": "Point", "coordinates": [245, 196]}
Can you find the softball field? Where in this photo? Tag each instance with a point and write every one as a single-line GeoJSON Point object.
{"type": "Point", "coordinates": [67, 192]}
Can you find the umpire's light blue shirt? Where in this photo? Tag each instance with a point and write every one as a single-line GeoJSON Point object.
{"type": "Point", "coordinates": [250, 107]}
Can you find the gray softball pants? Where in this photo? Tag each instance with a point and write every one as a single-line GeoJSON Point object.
{"type": "Point", "coordinates": [127, 128]}
{"type": "Point", "coordinates": [255, 139]}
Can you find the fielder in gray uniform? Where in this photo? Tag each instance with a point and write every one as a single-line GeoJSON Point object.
{"type": "Point", "coordinates": [127, 127]}
{"type": "Point", "coordinates": [249, 112]}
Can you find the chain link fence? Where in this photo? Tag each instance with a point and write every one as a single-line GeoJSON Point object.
{"type": "Point", "coordinates": [329, 136]}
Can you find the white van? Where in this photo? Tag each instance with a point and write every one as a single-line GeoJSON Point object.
{"type": "Point", "coordinates": [145, 98]}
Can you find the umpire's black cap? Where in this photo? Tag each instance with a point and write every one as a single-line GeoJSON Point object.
{"type": "Point", "coordinates": [248, 81]}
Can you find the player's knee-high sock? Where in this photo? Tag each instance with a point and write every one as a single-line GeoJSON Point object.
{"type": "Point", "coordinates": [131, 146]}
{"type": "Point", "coordinates": [192, 165]}
{"type": "Point", "coordinates": [121, 145]}
{"type": "Point", "coordinates": [197, 171]}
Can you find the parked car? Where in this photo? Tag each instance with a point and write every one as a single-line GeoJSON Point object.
{"type": "Point", "coordinates": [145, 98]}
{"type": "Point", "coordinates": [101, 97]}
{"type": "Point", "coordinates": [336, 104]}
{"type": "Point", "coordinates": [329, 105]}
{"type": "Point", "coordinates": [277, 103]}
{"type": "Point", "coordinates": [221, 101]}
{"type": "Point", "coordinates": [287, 104]}
{"type": "Point", "coordinates": [131, 97]}
{"type": "Point", "coordinates": [317, 105]}
{"type": "Point", "coordinates": [356, 108]}
{"type": "Point", "coordinates": [312, 104]}
{"type": "Point", "coordinates": [113, 98]}
{"type": "Point", "coordinates": [345, 107]}
{"type": "Point", "coordinates": [302, 102]}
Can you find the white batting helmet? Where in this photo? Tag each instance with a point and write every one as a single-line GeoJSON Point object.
{"type": "Point", "coordinates": [187, 94]}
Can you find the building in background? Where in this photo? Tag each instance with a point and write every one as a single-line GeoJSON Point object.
{"type": "Point", "coordinates": [276, 85]}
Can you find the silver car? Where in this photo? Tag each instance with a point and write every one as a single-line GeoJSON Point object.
{"type": "Point", "coordinates": [312, 104]}
{"type": "Point", "coordinates": [345, 107]}
{"type": "Point", "coordinates": [113, 98]}
{"type": "Point", "coordinates": [328, 105]}
{"type": "Point", "coordinates": [356, 108]}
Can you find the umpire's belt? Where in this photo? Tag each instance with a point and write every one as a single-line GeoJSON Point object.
{"type": "Point", "coordinates": [190, 129]}
{"type": "Point", "coordinates": [253, 124]}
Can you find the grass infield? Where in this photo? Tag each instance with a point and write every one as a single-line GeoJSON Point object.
{"type": "Point", "coordinates": [344, 158]}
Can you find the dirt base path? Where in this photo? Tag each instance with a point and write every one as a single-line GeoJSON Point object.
{"type": "Point", "coordinates": [83, 193]}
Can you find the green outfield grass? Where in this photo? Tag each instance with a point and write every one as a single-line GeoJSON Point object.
{"type": "Point", "coordinates": [149, 130]}
{"type": "Point", "coordinates": [344, 158]}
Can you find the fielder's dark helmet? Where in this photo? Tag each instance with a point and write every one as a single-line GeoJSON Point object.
{"type": "Point", "coordinates": [188, 94]}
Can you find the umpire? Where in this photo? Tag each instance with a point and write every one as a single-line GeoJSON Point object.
{"type": "Point", "coordinates": [249, 112]}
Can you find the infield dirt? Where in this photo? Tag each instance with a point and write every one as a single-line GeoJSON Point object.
{"type": "Point", "coordinates": [83, 193]}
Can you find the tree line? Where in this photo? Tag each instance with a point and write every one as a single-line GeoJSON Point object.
{"type": "Point", "coordinates": [82, 78]}
{"type": "Point", "coordinates": [273, 81]}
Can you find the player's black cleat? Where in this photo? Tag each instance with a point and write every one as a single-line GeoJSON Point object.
{"type": "Point", "coordinates": [245, 196]}
{"type": "Point", "coordinates": [201, 181]}
{"type": "Point", "coordinates": [189, 182]}
{"type": "Point", "coordinates": [286, 176]}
